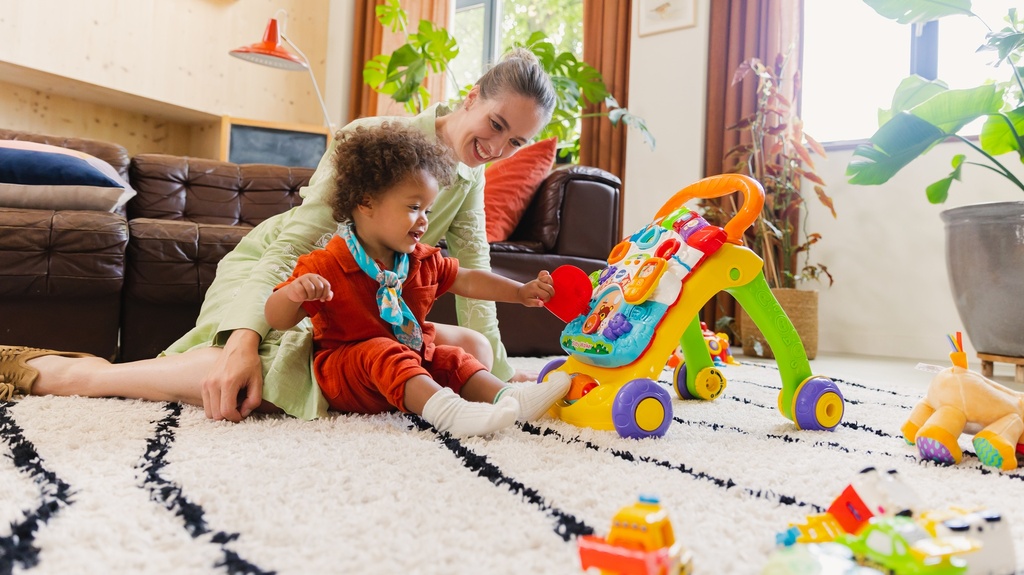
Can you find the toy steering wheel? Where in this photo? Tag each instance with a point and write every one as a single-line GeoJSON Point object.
{"type": "Point", "coordinates": [718, 186]}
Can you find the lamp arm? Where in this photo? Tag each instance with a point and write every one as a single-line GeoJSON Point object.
{"type": "Point", "coordinates": [316, 87]}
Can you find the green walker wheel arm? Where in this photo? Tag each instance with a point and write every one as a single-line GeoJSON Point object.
{"type": "Point", "coordinates": [695, 353]}
{"type": "Point", "coordinates": [762, 307]}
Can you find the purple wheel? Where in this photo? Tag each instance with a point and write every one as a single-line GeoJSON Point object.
{"type": "Point", "coordinates": [642, 408]}
{"type": "Point", "coordinates": [679, 382]}
{"type": "Point", "coordinates": [818, 404]}
{"type": "Point", "coordinates": [549, 367]}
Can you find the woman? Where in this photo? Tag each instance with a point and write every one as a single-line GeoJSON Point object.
{"type": "Point", "coordinates": [225, 360]}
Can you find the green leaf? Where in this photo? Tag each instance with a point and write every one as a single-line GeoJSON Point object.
{"type": "Point", "coordinates": [938, 192]}
{"type": "Point", "coordinates": [912, 91]}
{"type": "Point", "coordinates": [997, 137]}
{"type": "Point", "coordinates": [375, 71]}
{"type": "Point", "coordinates": [919, 11]}
{"type": "Point", "coordinates": [390, 15]}
{"type": "Point", "coordinates": [897, 143]}
{"type": "Point", "coordinates": [953, 109]}
{"type": "Point", "coordinates": [1004, 42]}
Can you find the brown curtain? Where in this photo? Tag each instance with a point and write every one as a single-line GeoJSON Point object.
{"type": "Point", "coordinates": [370, 39]}
{"type": "Point", "coordinates": [606, 33]}
{"type": "Point", "coordinates": [367, 34]}
{"type": "Point", "coordinates": [740, 30]}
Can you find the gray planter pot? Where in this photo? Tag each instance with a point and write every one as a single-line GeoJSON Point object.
{"type": "Point", "coordinates": [985, 261]}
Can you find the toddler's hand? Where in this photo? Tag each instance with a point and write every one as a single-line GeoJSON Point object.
{"type": "Point", "coordinates": [535, 292]}
{"type": "Point", "coordinates": [309, 287]}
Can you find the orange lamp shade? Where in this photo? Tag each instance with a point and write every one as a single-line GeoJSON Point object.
{"type": "Point", "coordinates": [270, 52]}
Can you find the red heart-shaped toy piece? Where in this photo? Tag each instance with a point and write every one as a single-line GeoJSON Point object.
{"type": "Point", "coordinates": [572, 293]}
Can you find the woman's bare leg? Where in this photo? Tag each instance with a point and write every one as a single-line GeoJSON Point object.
{"type": "Point", "coordinates": [475, 344]}
{"type": "Point", "coordinates": [168, 378]}
{"type": "Point", "coordinates": [471, 341]}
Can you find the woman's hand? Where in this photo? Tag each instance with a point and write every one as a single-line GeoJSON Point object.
{"type": "Point", "coordinates": [234, 386]}
{"type": "Point", "coordinates": [536, 292]}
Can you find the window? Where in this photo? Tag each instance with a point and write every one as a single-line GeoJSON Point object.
{"type": "Point", "coordinates": [485, 29]}
{"type": "Point", "coordinates": [851, 71]}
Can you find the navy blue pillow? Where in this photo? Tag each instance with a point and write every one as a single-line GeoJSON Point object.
{"type": "Point", "coordinates": [30, 167]}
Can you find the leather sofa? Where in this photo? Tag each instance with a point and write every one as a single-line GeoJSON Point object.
{"type": "Point", "coordinates": [125, 285]}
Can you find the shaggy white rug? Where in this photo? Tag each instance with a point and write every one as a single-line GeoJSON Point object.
{"type": "Point", "coordinates": [115, 486]}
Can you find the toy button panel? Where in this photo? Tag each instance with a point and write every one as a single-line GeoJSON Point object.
{"type": "Point", "coordinates": [644, 278]}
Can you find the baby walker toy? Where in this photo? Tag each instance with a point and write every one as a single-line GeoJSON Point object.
{"type": "Point", "coordinates": [625, 321]}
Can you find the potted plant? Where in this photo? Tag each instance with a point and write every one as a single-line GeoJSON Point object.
{"type": "Point", "coordinates": [401, 74]}
{"type": "Point", "coordinates": [776, 152]}
{"type": "Point", "coordinates": [984, 251]}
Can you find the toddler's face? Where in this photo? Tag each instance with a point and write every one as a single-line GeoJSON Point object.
{"type": "Point", "coordinates": [397, 219]}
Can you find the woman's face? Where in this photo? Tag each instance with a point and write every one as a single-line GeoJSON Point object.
{"type": "Point", "coordinates": [494, 129]}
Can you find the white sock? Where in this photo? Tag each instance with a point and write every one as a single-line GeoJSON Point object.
{"type": "Point", "coordinates": [535, 399]}
{"type": "Point", "coordinates": [446, 411]}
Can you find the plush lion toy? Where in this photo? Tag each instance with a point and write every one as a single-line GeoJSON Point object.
{"type": "Point", "coordinates": [960, 400]}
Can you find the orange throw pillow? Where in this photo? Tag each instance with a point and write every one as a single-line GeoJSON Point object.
{"type": "Point", "coordinates": [510, 184]}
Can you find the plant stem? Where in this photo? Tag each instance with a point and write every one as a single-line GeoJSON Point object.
{"type": "Point", "coordinates": [1002, 169]}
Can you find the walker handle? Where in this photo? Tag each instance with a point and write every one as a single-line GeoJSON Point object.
{"type": "Point", "coordinates": [718, 186]}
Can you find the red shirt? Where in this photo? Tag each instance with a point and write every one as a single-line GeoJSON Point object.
{"type": "Point", "coordinates": [352, 315]}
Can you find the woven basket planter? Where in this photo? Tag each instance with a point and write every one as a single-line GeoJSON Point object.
{"type": "Point", "coordinates": [802, 308]}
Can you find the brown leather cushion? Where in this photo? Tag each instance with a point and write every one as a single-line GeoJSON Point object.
{"type": "Point", "coordinates": [212, 192]}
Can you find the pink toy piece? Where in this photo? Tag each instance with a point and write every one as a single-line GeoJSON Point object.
{"type": "Point", "coordinates": [572, 293]}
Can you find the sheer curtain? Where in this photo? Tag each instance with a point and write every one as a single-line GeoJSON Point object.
{"type": "Point", "coordinates": [740, 30]}
{"type": "Point", "coordinates": [606, 34]}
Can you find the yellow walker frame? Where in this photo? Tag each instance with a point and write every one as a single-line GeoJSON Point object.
{"type": "Point", "coordinates": [627, 397]}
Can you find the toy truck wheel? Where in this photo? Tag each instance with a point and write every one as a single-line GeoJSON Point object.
{"type": "Point", "coordinates": [642, 408]}
{"type": "Point", "coordinates": [817, 404]}
{"type": "Point", "coordinates": [549, 367]}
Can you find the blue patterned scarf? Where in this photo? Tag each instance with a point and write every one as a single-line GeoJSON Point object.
{"type": "Point", "coordinates": [389, 297]}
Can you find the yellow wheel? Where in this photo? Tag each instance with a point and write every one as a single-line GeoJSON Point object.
{"type": "Point", "coordinates": [709, 383]}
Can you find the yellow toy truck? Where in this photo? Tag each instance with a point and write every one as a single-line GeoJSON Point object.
{"type": "Point", "coordinates": [641, 542]}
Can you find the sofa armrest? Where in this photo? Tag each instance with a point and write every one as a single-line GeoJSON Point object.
{"type": "Point", "coordinates": [575, 212]}
{"type": "Point", "coordinates": [61, 274]}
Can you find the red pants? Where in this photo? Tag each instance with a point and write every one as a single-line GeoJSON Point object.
{"type": "Point", "coordinates": [370, 376]}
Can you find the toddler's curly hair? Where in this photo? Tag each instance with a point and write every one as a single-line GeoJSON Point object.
{"type": "Point", "coordinates": [372, 160]}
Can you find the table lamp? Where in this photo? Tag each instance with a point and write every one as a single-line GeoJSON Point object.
{"type": "Point", "coordinates": [271, 53]}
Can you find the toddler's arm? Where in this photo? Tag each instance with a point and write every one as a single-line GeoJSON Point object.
{"type": "Point", "coordinates": [480, 284]}
{"type": "Point", "coordinates": [284, 306]}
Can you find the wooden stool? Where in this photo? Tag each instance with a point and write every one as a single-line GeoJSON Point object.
{"type": "Point", "coordinates": [986, 365]}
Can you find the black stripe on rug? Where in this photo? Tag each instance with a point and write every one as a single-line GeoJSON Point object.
{"type": "Point", "coordinates": [170, 495]}
{"type": "Point", "coordinates": [567, 526]}
{"type": "Point", "coordinates": [724, 483]}
{"type": "Point", "coordinates": [55, 494]}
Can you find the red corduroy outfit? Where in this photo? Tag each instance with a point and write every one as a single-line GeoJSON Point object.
{"type": "Point", "coordinates": [358, 363]}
